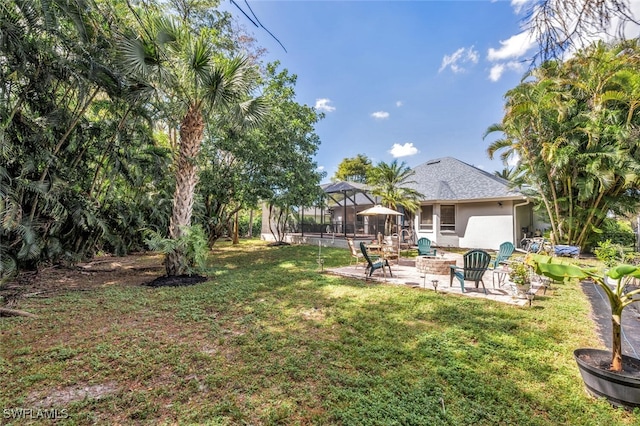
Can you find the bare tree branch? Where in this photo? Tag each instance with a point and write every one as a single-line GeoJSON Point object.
{"type": "Point", "coordinates": [562, 25]}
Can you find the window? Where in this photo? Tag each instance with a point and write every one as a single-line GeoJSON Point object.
{"type": "Point", "coordinates": [447, 218]}
{"type": "Point", "coordinates": [426, 218]}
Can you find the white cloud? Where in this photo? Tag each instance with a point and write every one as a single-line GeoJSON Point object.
{"type": "Point", "coordinates": [514, 47]}
{"type": "Point", "coordinates": [496, 72]}
{"type": "Point", "coordinates": [458, 58]}
{"type": "Point", "coordinates": [519, 5]}
{"type": "Point", "coordinates": [380, 115]}
{"type": "Point", "coordinates": [403, 150]}
{"type": "Point", "coordinates": [322, 104]}
{"type": "Point", "coordinates": [498, 69]}
{"type": "Point", "coordinates": [399, 104]}
{"type": "Point", "coordinates": [320, 168]}
{"type": "Point", "coordinates": [513, 160]}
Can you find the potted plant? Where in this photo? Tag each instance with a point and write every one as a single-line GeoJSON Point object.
{"type": "Point", "coordinates": [606, 374]}
{"type": "Point", "coordinates": [520, 276]}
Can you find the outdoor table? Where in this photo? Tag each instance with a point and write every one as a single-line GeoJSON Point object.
{"type": "Point", "coordinates": [375, 248]}
{"type": "Point", "coordinates": [502, 273]}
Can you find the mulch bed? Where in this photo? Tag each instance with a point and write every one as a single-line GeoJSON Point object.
{"type": "Point", "coordinates": [176, 281]}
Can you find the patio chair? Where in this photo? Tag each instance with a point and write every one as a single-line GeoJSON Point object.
{"type": "Point", "coordinates": [476, 263]}
{"type": "Point", "coordinates": [391, 248]}
{"type": "Point", "coordinates": [374, 262]}
{"type": "Point", "coordinates": [505, 252]}
{"type": "Point", "coordinates": [355, 254]}
{"type": "Point", "coordinates": [424, 247]}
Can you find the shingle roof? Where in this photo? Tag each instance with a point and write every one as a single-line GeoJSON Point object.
{"type": "Point", "coordinates": [339, 186]}
{"type": "Point", "coordinates": [453, 180]}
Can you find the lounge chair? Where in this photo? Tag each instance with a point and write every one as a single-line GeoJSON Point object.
{"type": "Point", "coordinates": [374, 262]}
{"type": "Point", "coordinates": [476, 263]}
{"type": "Point", "coordinates": [505, 252]}
{"type": "Point", "coordinates": [424, 247]}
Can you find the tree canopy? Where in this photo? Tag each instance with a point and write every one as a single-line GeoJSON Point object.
{"type": "Point", "coordinates": [355, 169]}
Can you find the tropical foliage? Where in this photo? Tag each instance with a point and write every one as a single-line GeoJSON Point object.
{"type": "Point", "coordinates": [78, 160]}
{"type": "Point", "coordinates": [104, 108]}
{"type": "Point", "coordinates": [574, 127]}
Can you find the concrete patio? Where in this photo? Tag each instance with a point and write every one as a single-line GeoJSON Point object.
{"type": "Point", "coordinates": [405, 273]}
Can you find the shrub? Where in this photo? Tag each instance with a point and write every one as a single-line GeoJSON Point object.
{"type": "Point", "coordinates": [192, 244]}
{"type": "Point", "coordinates": [609, 253]}
{"type": "Point", "coordinates": [618, 232]}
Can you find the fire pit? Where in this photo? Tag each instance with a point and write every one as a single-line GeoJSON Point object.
{"type": "Point", "coordinates": [434, 265]}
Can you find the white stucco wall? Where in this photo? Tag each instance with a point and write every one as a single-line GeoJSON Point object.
{"type": "Point", "coordinates": [487, 232]}
{"type": "Point", "coordinates": [483, 225]}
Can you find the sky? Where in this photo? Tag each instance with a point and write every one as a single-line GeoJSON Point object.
{"type": "Point", "coordinates": [406, 80]}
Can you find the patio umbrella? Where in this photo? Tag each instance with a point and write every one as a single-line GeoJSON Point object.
{"type": "Point", "coordinates": [379, 210]}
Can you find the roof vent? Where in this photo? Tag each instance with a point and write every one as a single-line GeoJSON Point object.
{"type": "Point", "coordinates": [433, 162]}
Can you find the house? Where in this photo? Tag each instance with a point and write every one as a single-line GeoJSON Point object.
{"type": "Point", "coordinates": [464, 206]}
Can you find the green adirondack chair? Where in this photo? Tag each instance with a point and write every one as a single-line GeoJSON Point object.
{"type": "Point", "coordinates": [476, 263]}
{"type": "Point", "coordinates": [424, 247]}
{"type": "Point", "coordinates": [374, 262]}
{"type": "Point", "coordinates": [505, 252]}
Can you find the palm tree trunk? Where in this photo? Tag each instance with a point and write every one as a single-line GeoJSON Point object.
{"type": "Point", "coordinates": [191, 133]}
{"type": "Point", "coordinates": [583, 235]}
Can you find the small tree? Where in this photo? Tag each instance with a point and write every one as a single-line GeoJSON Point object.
{"type": "Point", "coordinates": [354, 169]}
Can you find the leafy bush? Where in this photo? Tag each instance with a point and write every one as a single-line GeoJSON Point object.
{"type": "Point", "coordinates": [609, 253]}
{"type": "Point", "coordinates": [243, 224]}
{"type": "Point", "coordinates": [632, 258]}
{"type": "Point", "coordinates": [618, 232]}
{"type": "Point", "coordinates": [192, 244]}
{"type": "Point", "coordinates": [520, 273]}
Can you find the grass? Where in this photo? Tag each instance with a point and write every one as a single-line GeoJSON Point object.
{"type": "Point", "coordinates": [269, 340]}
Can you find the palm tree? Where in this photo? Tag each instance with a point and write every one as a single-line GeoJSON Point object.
{"type": "Point", "coordinates": [392, 183]}
{"type": "Point", "coordinates": [507, 173]}
{"type": "Point", "coordinates": [182, 66]}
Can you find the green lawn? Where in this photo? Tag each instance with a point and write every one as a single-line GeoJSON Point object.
{"type": "Point", "coordinates": [270, 340]}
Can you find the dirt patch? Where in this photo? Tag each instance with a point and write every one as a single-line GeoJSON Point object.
{"type": "Point", "coordinates": [103, 271]}
{"type": "Point", "coordinates": [64, 396]}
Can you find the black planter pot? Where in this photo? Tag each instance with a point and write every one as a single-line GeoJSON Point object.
{"type": "Point", "coordinates": [621, 389]}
